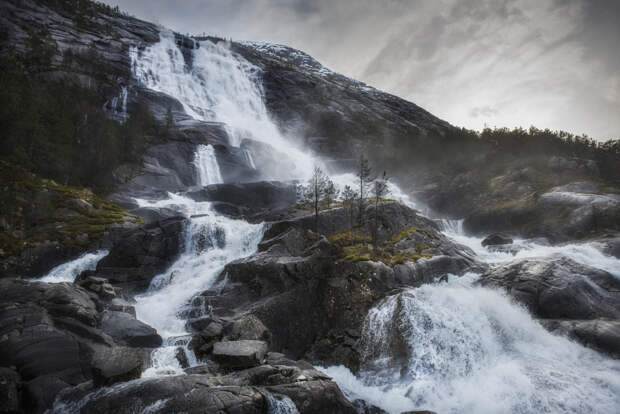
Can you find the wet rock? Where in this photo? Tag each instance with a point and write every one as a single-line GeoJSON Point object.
{"type": "Point", "coordinates": [601, 334]}
{"type": "Point", "coordinates": [558, 288]}
{"type": "Point", "coordinates": [118, 364]}
{"type": "Point", "coordinates": [51, 334]}
{"type": "Point", "coordinates": [239, 354]}
{"type": "Point", "coordinates": [496, 239]}
{"type": "Point", "coordinates": [127, 330]}
{"type": "Point", "coordinates": [10, 391]}
{"type": "Point", "coordinates": [141, 254]}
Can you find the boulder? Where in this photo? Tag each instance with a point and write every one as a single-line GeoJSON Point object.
{"type": "Point", "coordinates": [140, 255]}
{"type": "Point", "coordinates": [558, 288]}
{"type": "Point", "coordinates": [239, 354]}
{"type": "Point", "coordinates": [127, 330]}
{"type": "Point", "coordinates": [51, 334]}
{"type": "Point", "coordinates": [118, 364]}
{"type": "Point", "coordinates": [496, 239]}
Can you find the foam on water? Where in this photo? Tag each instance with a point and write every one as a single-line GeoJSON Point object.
{"type": "Point", "coordinates": [469, 349]}
{"type": "Point", "coordinates": [584, 253]}
{"type": "Point", "coordinates": [67, 272]}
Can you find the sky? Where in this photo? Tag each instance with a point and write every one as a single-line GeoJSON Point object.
{"type": "Point", "coordinates": [549, 63]}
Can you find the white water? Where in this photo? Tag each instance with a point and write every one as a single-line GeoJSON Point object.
{"type": "Point", "coordinates": [249, 158]}
{"type": "Point", "coordinates": [280, 404]}
{"type": "Point", "coordinates": [207, 166]}
{"type": "Point", "coordinates": [473, 350]}
{"type": "Point", "coordinates": [122, 112]}
{"type": "Point", "coordinates": [67, 272]}
{"type": "Point", "coordinates": [220, 86]}
{"type": "Point", "coordinates": [211, 241]}
{"type": "Point", "coordinates": [584, 253]}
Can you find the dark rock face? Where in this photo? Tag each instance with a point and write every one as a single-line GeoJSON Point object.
{"type": "Point", "coordinates": [10, 391]}
{"type": "Point", "coordinates": [577, 299]}
{"type": "Point", "coordinates": [248, 199]}
{"type": "Point", "coordinates": [52, 334]}
{"type": "Point", "coordinates": [141, 254]}
{"type": "Point", "coordinates": [496, 240]}
{"type": "Point", "coordinates": [117, 364]}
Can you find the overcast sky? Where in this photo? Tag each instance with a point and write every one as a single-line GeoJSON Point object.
{"type": "Point", "coordinates": [550, 63]}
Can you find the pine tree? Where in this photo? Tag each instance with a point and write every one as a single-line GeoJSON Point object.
{"type": "Point", "coordinates": [379, 192]}
{"type": "Point", "coordinates": [364, 175]}
{"type": "Point", "coordinates": [348, 201]}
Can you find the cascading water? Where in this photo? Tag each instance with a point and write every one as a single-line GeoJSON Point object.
{"type": "Point", "coordinates": [211, 241]}
{"type": "Point", "coordinates": [219, 86]}
{"type": "Point", "coordinates": [67, 272]}
{"type": "Point", "coordinates": [456, 348]}
{"type": "Point", "coordinates": [584, 253]}
{"type": "Point", "coordinates": [207, 166]}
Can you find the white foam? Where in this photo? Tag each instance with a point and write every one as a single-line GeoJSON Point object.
{"type": "Point", "coordinates": [67, 272]}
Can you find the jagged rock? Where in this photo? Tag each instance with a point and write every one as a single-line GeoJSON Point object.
{"type": "Point", "coordinates": [10, 391]}
{"type": "Point", "coordinates": [141, 254]}
{"type": "Point", "coordinates": [118, 364]}
{"type": "Point", "coordinates": [496, 239]}
{"type": "Point", "coordinates": [239, 354]}
{"type": "Point", "coordinates": [129, 331]}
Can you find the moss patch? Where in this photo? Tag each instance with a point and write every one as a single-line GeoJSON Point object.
{"type": "Point", "coordinates": [36, 210]}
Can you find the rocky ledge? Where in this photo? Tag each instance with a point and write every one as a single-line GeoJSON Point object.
{"type": "Point", "coordinates": [568, 297]}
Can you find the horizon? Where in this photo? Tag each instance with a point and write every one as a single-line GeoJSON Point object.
{"type": "Point", "coordinates": [474, 64]}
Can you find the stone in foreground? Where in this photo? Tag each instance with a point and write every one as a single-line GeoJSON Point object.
{"type": "Point", "coordinates": [240, 354]}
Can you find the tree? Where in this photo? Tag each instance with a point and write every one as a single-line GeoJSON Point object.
{"type": "Point", "coordinates": [379, 192]}
{"type": "Point", "coordinates": [315, 192]}
{"type": "Point", "coordinates": [348, 202]}
{"type": "Point", "coordinates": [331, 193]}
{"type": "Point", "coordinates": [364, 175]}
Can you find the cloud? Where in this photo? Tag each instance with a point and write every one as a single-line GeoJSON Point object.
{"type": "Point", "coordinates": [551, 63]}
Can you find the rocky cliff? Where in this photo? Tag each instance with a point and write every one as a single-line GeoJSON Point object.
{"type": "Point", "coordinates": [201, 282]}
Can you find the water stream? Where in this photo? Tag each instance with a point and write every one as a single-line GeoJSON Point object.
{"type": "Point", "coordinates": [450, 347]}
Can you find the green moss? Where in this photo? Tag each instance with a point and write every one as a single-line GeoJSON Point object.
{"type": "Point", "coordinates": [348, 238]}
{"type": "Point", "coordinates": [363, 252]}
{"type": "Point", "coordinates": [38, 210]}
{"type": "Point", "coordinates": [405, 234]}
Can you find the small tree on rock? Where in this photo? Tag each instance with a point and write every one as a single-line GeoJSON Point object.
{"type": "Point", "coordinates": [364, 173]}
{"type": "Point", "coordinates": [331, 193]}
{"type": "Point", "coordinates": [315, 192]}
{"type": "Point", "coordinates": [379, 191]}
{"type": "Point", "coordinates": [348, 201]}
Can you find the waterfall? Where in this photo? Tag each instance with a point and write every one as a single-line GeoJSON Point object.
{"type": "Point", "coordinates": [67, 272]}
{"type": "Point", "coordinates": [280, 404]}
{"type": "Point", "coordinates": [211, 241]}
{"type": "Point", "coordinates": [207, 166]}
{"type": "Point", "coordinates": [219, 86]}
{"type": "Point", "coordinates": [456, 348]}
{"type": "Point", "coordinates": [452, 226]}
{"type": "Point", "coordinates": [247, 154]}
